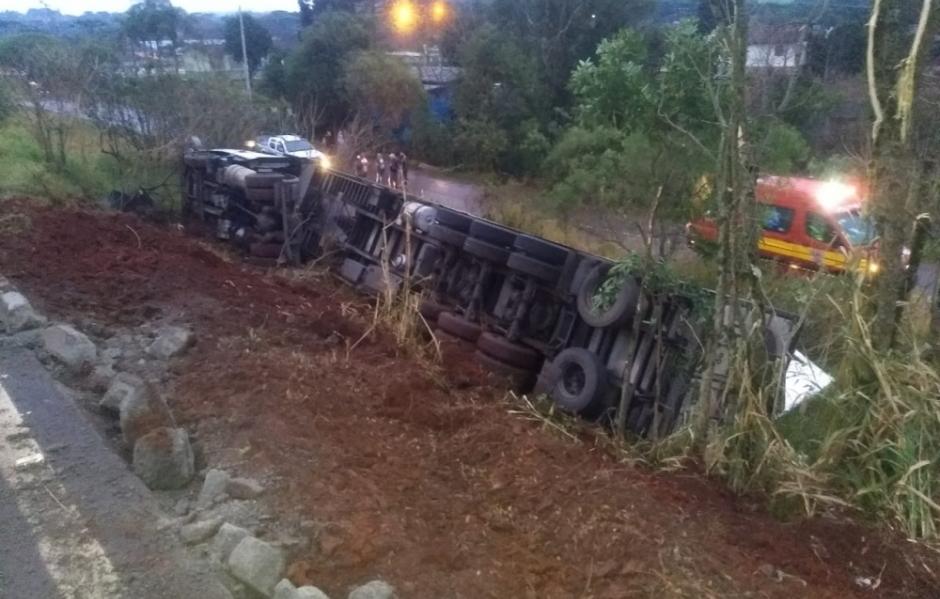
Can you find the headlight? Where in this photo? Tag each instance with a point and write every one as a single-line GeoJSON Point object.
{"type": "Point", "coordinates": [250, 143]}
{"type": "Point", "coordinates": [325, 162]}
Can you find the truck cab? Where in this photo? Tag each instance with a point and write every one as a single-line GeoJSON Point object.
{"type": "Point", "coordinates": [806, 224]}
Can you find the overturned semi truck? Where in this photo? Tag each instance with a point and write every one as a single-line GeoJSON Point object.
{"type": "Point", "coordinates": [527, 304]}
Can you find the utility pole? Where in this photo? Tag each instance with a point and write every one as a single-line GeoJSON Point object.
{"type": "Point", "coordinates": [241, 26]}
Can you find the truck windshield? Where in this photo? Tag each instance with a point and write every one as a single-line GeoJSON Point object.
{"type": "Point", "coordinates": [301, 145]}
{"type": "Point", "coordinates": [858, 228]}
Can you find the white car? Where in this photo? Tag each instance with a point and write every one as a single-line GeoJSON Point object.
{"type": "Point", "coordinates": [290, 145]}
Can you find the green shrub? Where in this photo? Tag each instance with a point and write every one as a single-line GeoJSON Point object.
{"type": "Point", "coordinates": [7, 107]}
{"type": "Point", "coordinates": [603, 166]}
{"type": "Point", "coordinates": [87, 174]}
{"type": "Point", "coordinates": [783, 150]}
{"type": "Point", "coordinates": [432, 141]}
{"type": "Point", "coordinates": [480, 144]}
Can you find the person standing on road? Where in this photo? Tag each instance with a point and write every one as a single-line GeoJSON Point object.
{"type": "Point", "coordinates": [403, 163]}
{"type": "Point", "coordinates": [393, 168]}
{"type": "Point", "coordinates": [381, 170]}
{"type": "Point", "coordinates": [362, 166]}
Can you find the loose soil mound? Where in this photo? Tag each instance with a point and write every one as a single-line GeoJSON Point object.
{"type": "Point", "coordinates": [418, 475]}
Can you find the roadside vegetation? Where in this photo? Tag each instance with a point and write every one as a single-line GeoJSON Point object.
{"type": "Point", "coordinates": [86, 173]}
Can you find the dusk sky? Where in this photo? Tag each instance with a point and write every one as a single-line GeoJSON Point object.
{"type": "Point", "coordinates": [77, 7]}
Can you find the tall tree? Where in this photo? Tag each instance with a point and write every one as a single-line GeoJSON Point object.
{"type": "Point", "coordinates": [559, 33]}
{"type": "Point", "coordinates": [153, 21]}
{"type": "Point", "coordinates": [382, 89]}
{"type": "Point", "coordinates": [500, 96]}
{"type": "Point", "coordinates": [315, 69]}
{"type": "Point", "coordinates": [838, 49]}
{"type": "Point", "coordinates": [737, 235]}
{"type": "Point", "coordinates": [499, 81]}
{"type": "Point", "coordinates": [899, 174]}
{"type": "Point", "coordinates": [46, 77]}
{"type": "Point", "coordinates": [311, 9]}
{"type": "Point", "coordinates": [626, 148]}
{"type": "Point", "coordinates": [274, 77]}
{"type": "Point", "coordinates": [257, 41]}
{"type": "Point", "coordinates": [712, 13]}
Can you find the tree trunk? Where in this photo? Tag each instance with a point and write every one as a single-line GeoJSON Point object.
{"type": "Point", "coordinates": [895, 171]}
{"type": "Point", "coordinates": [736, 237]}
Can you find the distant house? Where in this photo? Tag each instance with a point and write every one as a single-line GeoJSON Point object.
{"type": "Point", "coordinates": [206, 56]}
{"type": "Point", "coordinates": [776, 48]}
{"type": "Point", "coordinates": [437, 78]}
{"type": "Point", "coordinates": [188, 56]}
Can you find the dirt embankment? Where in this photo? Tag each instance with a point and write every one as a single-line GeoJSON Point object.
{"type": "Point", "coordinates": [422, 476]}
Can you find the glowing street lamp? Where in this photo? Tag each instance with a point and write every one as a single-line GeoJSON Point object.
{"type": "Point", "coordinates": [409, 15]}
{"type": "Point", "coordinates": [439, 12]}
{"type": "Point", "coordinates": [404, 16]}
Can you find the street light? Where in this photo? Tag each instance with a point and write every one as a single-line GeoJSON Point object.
{"type": "Point", "coordinates": [408, 15]}
{"type": "Point", "coordinates": [404, 16]}
{"type": "Point", "coordinates": [439, 11]}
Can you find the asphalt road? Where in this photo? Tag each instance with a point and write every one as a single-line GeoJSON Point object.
{"type": "Point", "coordinates": [74, 521]}
{"type": "Point", "coordinates": [436, 187]}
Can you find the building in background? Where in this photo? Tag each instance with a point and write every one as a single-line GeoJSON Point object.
{"type": "Point", "coordinates": [776, 48]}
{"type": "Point", "coordinates": [438, 78]}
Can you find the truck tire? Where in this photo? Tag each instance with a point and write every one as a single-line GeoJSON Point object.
{"type": "Point", "coordinates": [494, 234]}
{"type": "Point", "coordinates": [546, 379]}
{"type": "Point", "coordinates": [198, 161]}
{"type": "Point", "coordinates": [534, 268]}
{"type": "Point", "coordinates": [265, 250]}
{"type": "Point", "coordinates": [507, 352]}
{"type": "Point", "coordinates": [447, 235]}
{"type": "Point", "coordinates": [453, 219]}
{"type": "Point", "coordinates": [431, 310]}
{"type": "Point", "coordinates": [486, 251]}
{"type": "Point", "coordinates": [193, 182]}
{"type": "Point", "coordinates": [263, 180]}
{"type": "Point", "coordinates": [443, 335]}
{"type": "Point", "coordinates": [619, 312]}
{"type": "Point", "coordinates": [581, 383]}
{"type": "Point", "coordinates": [520, 378]}
{"type": "Point", "coordinates": [542, 250]}
{"type": "Point", "coordinates": [458, 326]}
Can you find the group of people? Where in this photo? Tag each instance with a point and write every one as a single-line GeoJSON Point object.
{"type": "Point", "coordinates": [391, 170]}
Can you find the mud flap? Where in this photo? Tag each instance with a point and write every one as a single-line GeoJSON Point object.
{"type": "Point", "coordinates": [352, 270]}
{"type": "Point", "coordinates": [375, 281]}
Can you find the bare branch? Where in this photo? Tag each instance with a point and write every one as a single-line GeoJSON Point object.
{"type": "Point", "coordinates": [688, 134]}
{"type": "Point", "coordinates": [872, 79]}
{"type": "Point", "coordinates": [906, 79]}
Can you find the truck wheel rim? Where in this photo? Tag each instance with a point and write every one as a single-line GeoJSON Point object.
{"type": "Point", "coordinates": [573, 379]}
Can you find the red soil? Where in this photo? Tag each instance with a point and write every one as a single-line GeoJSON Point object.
{"type": "Point", "coordinates": [426, 478]}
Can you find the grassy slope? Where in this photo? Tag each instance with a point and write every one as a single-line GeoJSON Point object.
{"type": "Point", "coordinates": [88, 174]}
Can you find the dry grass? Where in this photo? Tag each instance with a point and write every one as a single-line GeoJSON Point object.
{"type": "Point", "coordinates": [398, 308]}
{"type": "Point", "coordinates": [878, 447]}
{"type": "Point", "coordinates": [518, 205]}
{"type": "Point", "coordinates": [88, 173]}
{"type": "Point", "coordinates": [885, 456]}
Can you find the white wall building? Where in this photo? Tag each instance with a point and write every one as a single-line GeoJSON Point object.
{"type": "Point", "coordinates": [777, 48]}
